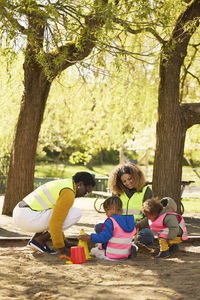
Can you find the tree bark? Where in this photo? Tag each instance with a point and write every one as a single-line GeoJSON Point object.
{"type": "Point", "coordinates": [174, 118]}
{"type": "Point", "coordinates": [20, 178]}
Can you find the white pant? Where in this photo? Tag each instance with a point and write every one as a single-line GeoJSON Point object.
{"type": "Point", "coordinates": [38, 221]}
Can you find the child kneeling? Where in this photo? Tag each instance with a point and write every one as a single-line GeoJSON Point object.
{"type": "Point", "coordinates": [162, 218]}
{"type": "Point", "coordinates": [116, 234]}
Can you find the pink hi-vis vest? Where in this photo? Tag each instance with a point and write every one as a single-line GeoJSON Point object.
{"type": "Point", "coordinates": [162, 230]}
{"type": "Point", "coordinates": [119, 246]}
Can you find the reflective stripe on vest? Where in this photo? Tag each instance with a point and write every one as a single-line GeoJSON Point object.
{"type": "Point", "coordinates": [162, 230]}
{"type": "Point", "coordinates": [120, 240]}
{"type": "Point", "coordinates": [45, 196]}
{"type": "Point", "coordinates": [119, 246]}
{"type": "Point", "coordinates": [117, 253]}
{"type": "Point", "coordinates": [133, 206]}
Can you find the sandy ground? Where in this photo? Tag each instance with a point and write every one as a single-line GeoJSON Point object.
{"type": "Point", "coordinates": [25, 274]}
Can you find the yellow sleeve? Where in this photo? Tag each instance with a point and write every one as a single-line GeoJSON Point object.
{"type": "Point", "coordinates": [60, 212]}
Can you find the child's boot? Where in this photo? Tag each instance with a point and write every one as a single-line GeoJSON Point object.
{"type": "Point", "coordinates": [173, 248]}
{"type": "Point", "coordinates": [163, 254]}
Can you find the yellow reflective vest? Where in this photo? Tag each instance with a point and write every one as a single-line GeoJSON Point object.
{"type": "Point", "coordinates": [45, 196]}
{"type": "Point", "coordinates": [133, 206]}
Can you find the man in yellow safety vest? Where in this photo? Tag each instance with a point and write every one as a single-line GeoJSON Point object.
{"type": "Point", "coordinates": [48, 211]}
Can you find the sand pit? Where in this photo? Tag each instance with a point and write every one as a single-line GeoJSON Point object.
{"type": "Point", "coordinates": [26, 274]}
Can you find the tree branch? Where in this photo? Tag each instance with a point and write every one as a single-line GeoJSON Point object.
{"type": "Point", "coordinates": [9, 16]}
{"type": "Point", "coordinates": [186, 71]}
{"type": "Point", "coordinates": [127, 27]}
{"type": "Point", "coordinates": [175, 50]}
{"type": "Point", "coordinates": [187, 22]}
{"type": "Point", "coordinates": [194, 76]}
{"type": "Point", "coordinates": [74, 51]}
{"type": "Point", "coordinates": [191, 113]}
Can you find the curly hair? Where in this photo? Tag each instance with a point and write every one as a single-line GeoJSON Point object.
{"type": "Point", "coordinates": [115, 183]}
{"type": "Point", "coordinates": [152, 206]}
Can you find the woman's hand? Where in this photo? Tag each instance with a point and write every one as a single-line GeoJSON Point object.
{"type": "Point", "coordinates": [137, 225]}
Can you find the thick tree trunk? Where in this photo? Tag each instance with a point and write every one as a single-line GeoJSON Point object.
{"type": "Point", "coordinates": [167, 172]}
{"type": "Point", "coordinates": [173, 118]}
{"type": "Point", "coordinates": [22, 163]}
{"type": "Point", "coordinates": [171, 130]}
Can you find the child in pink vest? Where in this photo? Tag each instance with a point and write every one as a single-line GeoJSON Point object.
{"type": "Point", "coordinates": [162, 218]}
{"type": "Point", "coordinates": [117, 233]}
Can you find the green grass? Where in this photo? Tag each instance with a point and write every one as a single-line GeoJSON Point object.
{"type": "Point", "coordinates": [191, 205]}
{"type": "Point", "coordinates": [63, 171]}
{"type": "Point", "coordinates": [67, 170]}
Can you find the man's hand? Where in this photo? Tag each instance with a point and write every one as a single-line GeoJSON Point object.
{"type": "Point", "coordinates": [84, 237]}
{"type": "Point", "coordinates": [62, 250]}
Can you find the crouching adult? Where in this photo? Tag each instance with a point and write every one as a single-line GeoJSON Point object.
{"type": "Point", "coordinates": [48, 211]}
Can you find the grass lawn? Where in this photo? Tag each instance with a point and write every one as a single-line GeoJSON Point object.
{"type": "Point", "coordinates": [63, 171]}
{"type": "Point", "coordinates": [67, 170]}
{"type": "Point", "coordinates": [191, 205]}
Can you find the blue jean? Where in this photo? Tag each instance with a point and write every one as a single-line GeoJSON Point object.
{"type": "Point", "coordinates": [145, 235]}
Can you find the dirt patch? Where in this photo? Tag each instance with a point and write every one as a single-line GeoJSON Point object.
{"type": "Point", "coordinates": [26, 274]}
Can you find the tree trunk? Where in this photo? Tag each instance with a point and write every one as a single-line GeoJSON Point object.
{"type": "Point", "coordinates": [20, 178]}
{"type": "Point", "coordinates": [121, 155]}
{"type": "Point", "coordinates": [90, 163]}
{"type": "Point", "coordinates": [170, 131]}
{"type": "Point", "coordinates": [167, 173]}
{"type": "Point", "coordinates": [173, 118]}
{"type": "Point", "coordinates": [101, 157]}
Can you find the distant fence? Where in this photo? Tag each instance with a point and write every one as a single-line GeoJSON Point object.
{"type": "Point", "coordinates": [101, 184]}
{"type": "Point", "coordinates": [42, 180]}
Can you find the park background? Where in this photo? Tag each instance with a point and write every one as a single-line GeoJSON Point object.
{"type": "Point", "coordinates": [83, 83]}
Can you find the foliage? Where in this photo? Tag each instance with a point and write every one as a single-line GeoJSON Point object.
{"type": "Point", "coordinates": [59, 133]}
{"type": "Point", "coordinates": [102, 101]}
{"type": "Point", "coordinates": [108, 106]}
{"type": "Point", "coordinates": [78, 157]}
{"type": "Point", "coordinates": [10, 94]}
